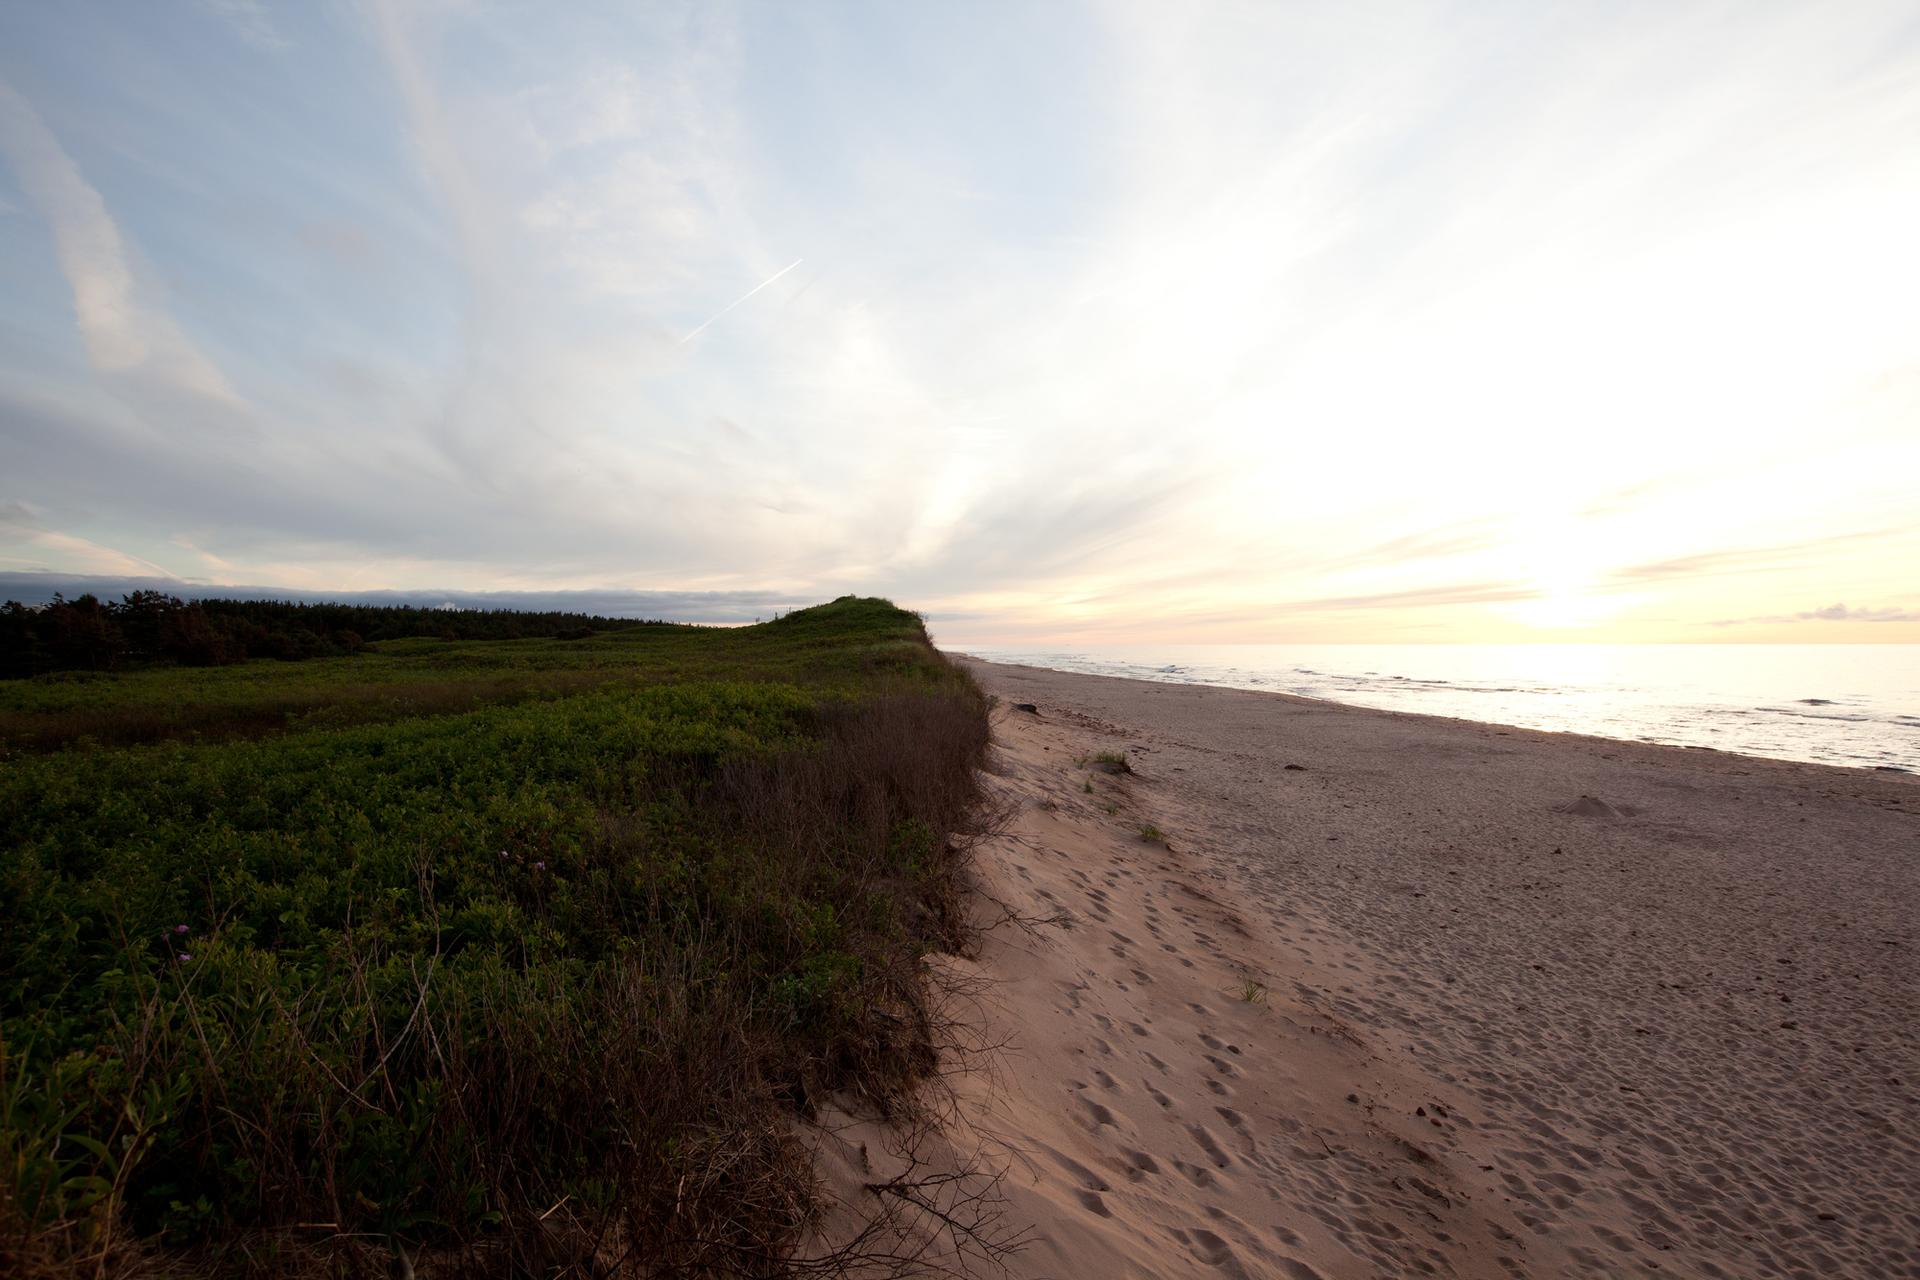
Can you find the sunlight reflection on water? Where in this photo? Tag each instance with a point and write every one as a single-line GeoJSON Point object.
{"type": "Point", "coordinates": [1848, 704]}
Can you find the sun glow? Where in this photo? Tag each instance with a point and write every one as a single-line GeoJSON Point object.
{"type": "Point", "coordinates": [1222, 323]}
{"type": "Point", "coordinates": [1564, 559]}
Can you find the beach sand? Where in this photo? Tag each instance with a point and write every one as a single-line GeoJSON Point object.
{"type": "Point", "coordinates": [1403, 995]}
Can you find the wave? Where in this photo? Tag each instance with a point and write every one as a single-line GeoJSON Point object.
{"type": "Point", "coordinates": [1614, 691]}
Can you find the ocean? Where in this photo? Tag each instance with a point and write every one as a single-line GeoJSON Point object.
{"type": "Point", "coordinates": [1856, 705]}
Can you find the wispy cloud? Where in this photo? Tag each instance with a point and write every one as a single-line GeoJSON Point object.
{"type": "Point", "coordinates": [1229, 320]}
{"type": "Point", "coordinates": [19, 525]}
{"type": "Point", "coordinates": [249, 18]}
{"type": "Point", "coordinates": [1841, 613]}
{"type": "Point", "coordinates": [1748, 560]}
{"type": "Point", "coordinates": [126, 332]}
{"type": "Point", "coordinates": [1830, 613]}
{"type": "Point", "coordinates": [1417, 598]}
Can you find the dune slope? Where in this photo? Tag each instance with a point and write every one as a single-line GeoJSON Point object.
{"type": "Point", "coordinates": [1401, 995]}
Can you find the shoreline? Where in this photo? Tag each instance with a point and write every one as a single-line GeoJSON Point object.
{"type": "Point", "coordinates": [1911, 770]}
{"type": "Point", "coordinates": [1402, 992]}
{"type": "Point", "coordinates": [1464, 722]}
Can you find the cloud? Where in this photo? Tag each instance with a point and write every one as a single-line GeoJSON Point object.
{"type": "Point", "coordinates": [125, 332]}
{"type": "Point", "coordinates": [249, 19]}
{"type": "Point", "coordinates": [1841, 613]}
{"type": "Point", "coordinates": [1418, 598]}
{"type": "Point", "coordinates": [1428, 544]}
{"type": "Point", "coordinates": [1830, 613]}
{"type": "Point", "coordinates": [18, 525]}
{"type": "Point", "coordinates": [1113, 316]}
{"type": "Point", "coordinates": [1738, 560]}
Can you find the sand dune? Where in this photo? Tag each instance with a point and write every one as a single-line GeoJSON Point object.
{"type": "Point", "coordinates": [1406, 996]}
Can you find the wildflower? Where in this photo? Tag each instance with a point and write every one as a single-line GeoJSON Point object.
{"type": "Point", "coordinates": [539, 866]}
{"type": "Point", "coordinates": [185, 956]}
{"type": "Point", "coordinates": [503, 855]}
{"type": "Point", "coordinates": [180, 928]}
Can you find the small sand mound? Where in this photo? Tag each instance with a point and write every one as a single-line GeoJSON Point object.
{"type": "Point", "coordinates": [1591, 807]}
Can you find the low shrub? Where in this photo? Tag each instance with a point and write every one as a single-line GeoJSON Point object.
{"type": "Point", "coordinates": [528, 986]}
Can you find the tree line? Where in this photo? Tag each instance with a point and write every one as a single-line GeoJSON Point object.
{"type": "Point", "coordinates": [151, 628]}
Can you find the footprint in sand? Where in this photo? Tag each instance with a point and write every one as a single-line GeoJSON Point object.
{"type": "Point", "coordinates": [1209, 1144]}
{"type": "Point", "coordinates": [1092, 1203]}
{"type": "Point", "coordinates": [1198, 1175]}
{"type": "Point", "coordinates": [1208, 1247]}
{"type": "Point", "coordinates": [1098, 1114]}
{"type": "Point", "coordinates": [1086, 1177]}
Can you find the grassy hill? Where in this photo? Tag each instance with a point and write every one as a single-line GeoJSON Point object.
{"type": "Point", "coordinates": [503, 955]}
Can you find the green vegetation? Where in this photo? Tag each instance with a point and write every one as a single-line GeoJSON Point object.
{"type": "Point", "coordinates": [498, 956]}
{"type": "Point", "coordinates": [147, 628]}
{"type": "Point", "coordinates": [1112, 762]}
{"type": "Point", "coordinates": [1152, 834]}
{"type": "Point", "coordinates": [412, 677]}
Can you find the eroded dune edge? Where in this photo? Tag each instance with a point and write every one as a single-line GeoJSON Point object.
{"type": "Point", "coordinates": [1304, 990]}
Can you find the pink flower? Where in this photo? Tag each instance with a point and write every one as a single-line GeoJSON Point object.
{"type": "Point", "coordinates": [180, 928]}
{"type": "Point", "coordinates": [184, 957]}
{"type": "Point", "coordinates": [539, 866]}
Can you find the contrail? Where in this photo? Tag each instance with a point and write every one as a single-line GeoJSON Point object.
{"type": "Point", "coordinates": [742, 298]}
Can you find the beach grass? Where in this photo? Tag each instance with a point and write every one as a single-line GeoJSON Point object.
{"type": "Point", "coordinates": [523, 955]}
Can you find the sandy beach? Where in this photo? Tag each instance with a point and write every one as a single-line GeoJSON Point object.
{"type": "Point", "coordinates": [1402, 995]}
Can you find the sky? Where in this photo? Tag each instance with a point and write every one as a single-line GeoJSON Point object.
{"type": "Point", "coordinates": [1110, 322]}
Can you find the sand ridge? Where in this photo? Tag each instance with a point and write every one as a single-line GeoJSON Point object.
{"type": "Point", "coordinates": [1499, 1031]}
{"type": "Point", "coordinates": [1164, 1096]}
{"type": "Point", "coordinates": [1180, 1108]}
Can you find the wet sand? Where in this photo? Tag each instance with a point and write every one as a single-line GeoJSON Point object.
{"type": "Point", "coordinates": [1405, 995]}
